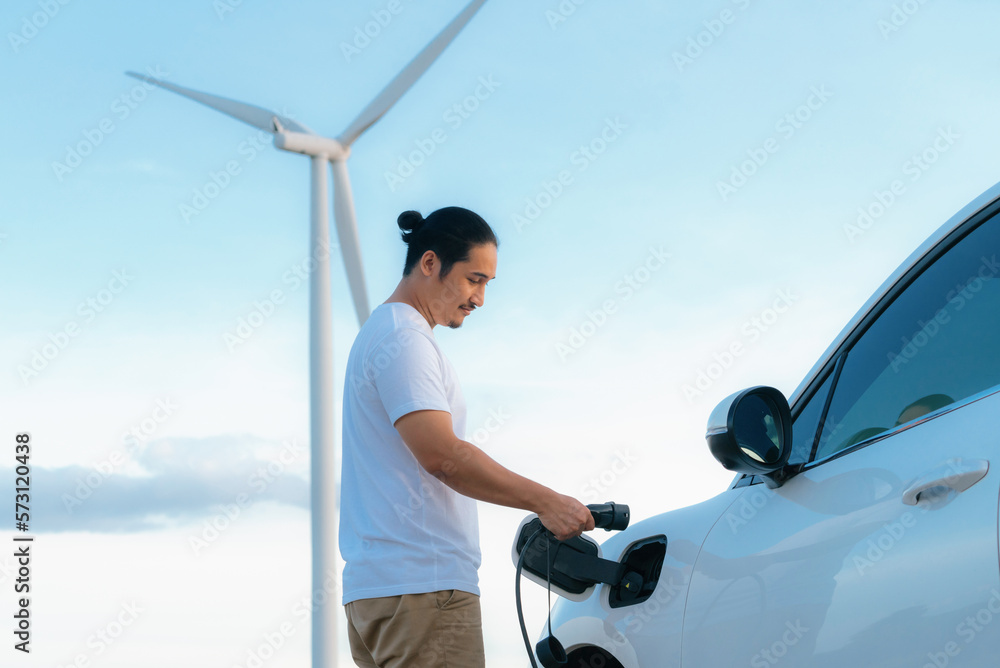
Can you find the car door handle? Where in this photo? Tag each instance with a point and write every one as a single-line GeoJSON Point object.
{"type": "Point", "coordinates": [956, 474]}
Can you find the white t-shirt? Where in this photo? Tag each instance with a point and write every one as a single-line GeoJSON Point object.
{"type": "Point", "coordinates": [402, 531]}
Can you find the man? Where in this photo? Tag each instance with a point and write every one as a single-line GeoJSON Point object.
{"type": "Point", "coordinates": [409, 527]}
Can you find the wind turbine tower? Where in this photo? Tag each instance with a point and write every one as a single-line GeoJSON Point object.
{"type": "Point", "coordinates": [289, 135]}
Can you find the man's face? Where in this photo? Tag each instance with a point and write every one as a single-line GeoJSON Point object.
{"type": "Point", "coordinates": [464, 288]}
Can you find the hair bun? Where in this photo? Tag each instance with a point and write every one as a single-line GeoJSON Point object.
{"type": "Point", "coordinates": [410, 221]}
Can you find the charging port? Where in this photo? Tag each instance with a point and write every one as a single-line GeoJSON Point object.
{"type": "Point", "coordinates": [642, 562]}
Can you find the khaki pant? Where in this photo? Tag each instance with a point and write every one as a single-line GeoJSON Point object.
{"type": "Point", "coordinates": [442, 629]}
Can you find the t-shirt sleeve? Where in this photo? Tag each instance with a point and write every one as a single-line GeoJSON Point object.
{"type": "Point", "coordinates": [407, 374]}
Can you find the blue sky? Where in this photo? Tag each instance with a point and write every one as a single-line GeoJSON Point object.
{"type": "Point", "coordinates": [736, 139]}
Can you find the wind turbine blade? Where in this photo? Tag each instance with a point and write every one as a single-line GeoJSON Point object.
{"type": "Point", "coordinates": [347, 235]}
{"type": "Point", "coordinates": [398, 86]}
{"type": "Point", "coordinates": [258, 117]}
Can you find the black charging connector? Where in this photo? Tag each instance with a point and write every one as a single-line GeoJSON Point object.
{"type": "Point", "coordinates": [609, 516]}
{"type": "Point", "coordinates": [572, 565]}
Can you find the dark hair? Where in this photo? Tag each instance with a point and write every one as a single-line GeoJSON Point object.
{"type": "Point", "coordinates": [449, 232]}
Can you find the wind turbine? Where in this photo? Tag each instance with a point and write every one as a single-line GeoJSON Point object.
{"type": "Point", "coordinates": [289, 135]}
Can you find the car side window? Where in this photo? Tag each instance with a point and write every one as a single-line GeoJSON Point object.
{"type": "Point", "coordinates": [936, 344]}
{"type": "Point", "coordinates": [806, 424]}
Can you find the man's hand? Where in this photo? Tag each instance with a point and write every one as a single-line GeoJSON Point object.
{"type": "Point", "coordinates": [565, 517]}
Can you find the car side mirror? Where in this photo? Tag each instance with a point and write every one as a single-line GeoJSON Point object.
{"type": "Point", "coordinates": [751, 432]}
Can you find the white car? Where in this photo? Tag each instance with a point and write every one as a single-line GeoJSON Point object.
{"type": "Point", "coordinates": [862, 529]}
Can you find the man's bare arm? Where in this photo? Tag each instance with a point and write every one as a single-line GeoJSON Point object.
{"type": "Point", "coordinates": [471, 472]}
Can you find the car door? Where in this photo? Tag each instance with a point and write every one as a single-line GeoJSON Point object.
{"type": "Point", "coordinates": [882, 549]}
